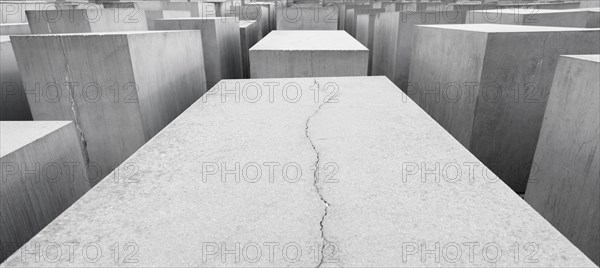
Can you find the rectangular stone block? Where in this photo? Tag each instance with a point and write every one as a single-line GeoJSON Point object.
{"type": "Point", "coordinates": [393, 37]}
{"type": "Point", "coordinates": [43, 173]}
{"type": "Point", "coordinates": [581, 18]}
{"type": "Point", "coordinates": [308, 17]}
{"type": "Point", "coordinates": [491, 94]}
{"type": "Point", "coordinates": [365, 29]}
{"type": "Point", "coordinates": [14, 28]}
{"type": "Point", "coordinates": [541, 5]}
{"type": "Point", "coordinates": [196, 9]}
{"type": "Point", "coordinates": [14, 11]}
{"type": "Point", "coordinates": [308, 53]}
{"type": "Point", "coordinates": [371, 146]}
{"type": "Point", "coordinates": [85, 21]}
{"type": "Point", "coordinates": [342, 8]}
{"type": "Point", "coordinates": [13, 103]}
{"type": "Point", "coordinates": [152, 15]}
{"type": "Point", "coordinates": [259, 13]}
{"type": "Point", "coordinates": [271, 11]}
{"type": "Point", "coordinates": [120, 89]}
{"type": "Point", "coordinates": [350, 23]}
{"type": "Point", "coordinates": [563, 183]}
{"type": "Point", "coordinates": [220, 44]}
{"type": "Point", "coordinates": [250, 34]}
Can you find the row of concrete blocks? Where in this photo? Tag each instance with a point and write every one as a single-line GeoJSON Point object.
{"type": "Point", "coordinates": [382, 148]}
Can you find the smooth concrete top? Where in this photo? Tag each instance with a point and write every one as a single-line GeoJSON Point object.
{"type": "Point", "coordinates": [246, 23]}
{"type": "Point", "coordinates": [16, 134]}
{"type": "Point", "coordinates": [309, 40]}
{"type": "Point", "coordinates": [505, 28]}
{"type": "Point", "coordinates": [593, 57]}
{"type": "Point", "coordinates": [104, 33]}
{"type": "Point", "coordinates": [371, 201]}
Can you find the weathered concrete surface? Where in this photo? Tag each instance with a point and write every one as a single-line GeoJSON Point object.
{"type": "Point", "coordinates": [85, 21]}
{"type": "Point", "coordinates": [361, 202]}
{"type": "Point", "coordinates": [14, 11]}
{"type": "Point", "coordinates": [491, 94]}
{"type": "Point", "coordinates": [220, 43]}
{"type": "Point", "coordinates": [119, 88]}
{"type": "Point", "coordinates": [197, 9]}
{"type": "Point", "coordinates": [152, 15]}
{"type": "Point", "coordinates": [259, 13]}
{"type": "Point", "coordinates": [534, 5]}
{"type": "Point", "coordinates": [13, 103]}
{"type": "Point", "coordinates": [307, 17]}
{"type": "Point", "coordinates": [14, 28]}
{"type": "Point", "coordinates": [307, 54]}
{"type": "Point", "coordinates": [272, 13]}
{"type": "Point", "coordinates": [563, 184]}
{"type": "Point", "coordinates": [43, 173]}
{"type": "Point", "coordinates": [365, 30]}
{"type": "Point", "coordinates": [250, 34]}
{"type": "Point", "coordinates": [393, 37]}
{"type": "Point", "coordinates": [581, 18]}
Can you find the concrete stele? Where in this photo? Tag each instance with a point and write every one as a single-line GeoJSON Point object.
{"type": "Point", "coordinates": [308, 53]}
{"type": "Point", "coordinates": [581, 18]}
{"type": "Point", "coordinates": [491, 94]}
{"type": "Point", "coordinates": [362, 133]}
{"type": "Point", "coordinates": [250, 34]}
{"type": "Point", "coordinates": [86, 21]}
{"type": "Point", "coordinates": [13, 103]}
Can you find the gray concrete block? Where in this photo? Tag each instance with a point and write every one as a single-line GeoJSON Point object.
{"type": "Point", "coordinates": [152, 15]}
{"type": "Point", "coordinates": [119, 88]}
{"type": "Point", "coordinates": [43, 173]}
{"type": "Point", "coordinates": [581, 18]}
{"type": "Point", "coordinates": [220, 44]}
{"type": "Point", "coordinates": [365, 30]}
{"type": "Point", "coordinates": [85, 21]}
{"type": "Point", "coordinates": [563, 183]}
{"type": "Point", "coordinates": [272, 12]}
{"type": "Point", "coordinates": [491, 94]}
{"type": "Point", "coordinates": [14, 28]}
{"type": "Point", "coordinates": [257, 12]}
{"type": "Point", "coordinates": [308, 53]}
{"type": "Point", "coordinates": [14, 11]}
{"type": "Point", "coordinates": [308, 17]}
{"type": "Point", "coordinates": [341, 14]}
{"type": "Point", "coordinates": [13, 103]}
{"type": "Point", "coordinates": [374, 208]}
{"type": "Point", "coordinates": [196, 9]}
{"type": "Point", "coordinates": [393, 36]}
{"type": "Point", "coordinates": [350, 23]}
{"type": "Point", "coordinates": [250, 34]}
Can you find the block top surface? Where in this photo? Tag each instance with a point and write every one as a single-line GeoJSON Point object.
{"type": "Point", "coordinates": [371, 144]}
{"type": "Point", "coordinates": [592, 57]}
{"type": "Point", "coordinates": [16, 134]}
{"type": "Point", "coordinates": [506, 28]}
{"type": "Point", "coordinates": [309, 40]}
{"type": "Point", "coordinates": [4, 38]}
{"type": "Point", "coordinates": [246, 23]}
{"type": "Point", "coordinates": [101, 33]}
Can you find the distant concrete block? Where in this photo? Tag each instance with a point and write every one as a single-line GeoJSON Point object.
{"type": "Point", "coordinates": [350, 23]}
{"type": "Point", "coordinates": [152, 15]}
{"type": "Point", "coordinates": [491, 94]}
{"type": "Point", "coordinates": [342, 8]}
{"type": "Point", "coordinates": [393, 38]}
{"type": "Point", "coordinates": [308, 54]}
{"type": "Point", "coordinates": [196, 9]}
{"type": "Point", "coordinates": [14, 11]}
{"type": "Point", "coordinates": [238, 175]}
{"type": "Point", "coordinates": [43, 173]}
{"type": "Point", "coordinates": [365, 30]}
{"type": "Point", "coordinates": [120, 89]}
{"type": "Point", "coordinates": [563, 183]}
{"type": "Point", "coordinates": [250, 34]}
{"type": "Point", "coordinates": [308, 17]}
{"type": "Point", "coordinates": [259, 13]}
{"type": "Point", "coordinates": [582, 18]}
{"type": "Point", "coordinates": [541, 5]}
{"type": "Point", "coordinates": [271, 11]}
{"type": "Point", "coordinates": [85, 21]}
{"type": "Point", "coordinates": [220, 43]}
{"type": "Point", "coordinates": [13, 103]}
{"type": "Point", "coordinates": [14, 28]}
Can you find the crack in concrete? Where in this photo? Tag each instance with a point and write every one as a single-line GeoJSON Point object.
{"type": "Point", "coordinates": [316, 175]}
{"type": "Point", "coordinates": [83, 141]}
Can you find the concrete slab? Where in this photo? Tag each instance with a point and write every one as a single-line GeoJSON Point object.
{"type": "Point", "coordinates": [85, 21]}
{"type": "Point", "coordinates": [371, 146]}
{"type": "Point", "coordinates": [307, 17]}
{"type": "Point", "coordinates": [43, 173]}
{"type": "Point", "coordinates": [120, 89]}
{"type": "Point", "coordinates": [250, 34]}
{"type": "Point", "coordinates": [13, 103]}
{"type": "Point", "coordinates": [393, 37]}
{"type": "Point", "coordinates": [256, 12]}
{"type": "Point", "coordinates": [14, 28]}
{"type": "Point", "coordinates": [220, 43]}
{"type": "Point", "coordinates": [272, 11]}
{"type": "Point", "coordinates": [152, 15]}
{"type": "Point", "coordinates": [196, 9]}
{"type": "Point", "coordinates": [365, 30]}
{"type": "Point", "coordinates": [563, 184]}
{"type": "Point", "coordinates": [491, 94]}
{"type": "Point", "coordinates": [581, 18]}
{"type": "Point", "coordinates": [307, 54]}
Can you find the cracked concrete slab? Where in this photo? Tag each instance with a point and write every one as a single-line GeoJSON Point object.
{"type": "Point", "coordinates": [201, 193]}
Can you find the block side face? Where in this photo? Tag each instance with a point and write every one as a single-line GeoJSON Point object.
{"type": "Point", "coordinates": [13, 103]}
{"type": "Point", "coordinates": [230, 52]}
{"type": "Point", "coordinates": [39, 181]}
{"type": "Point", "coordinates": [14, 29]}
{"type": "Point", "coordinates": [167, 81]}
{"type": "Point", "coordinates": [443, 79]}
{"type": "Point", "coordinates": [385, 36]}
{"type": "Point", "coordinates": [117, 20]}
{"type": "Point", "coordinates": [281, 64]}
{"type": "Point", "coordinates": [309, 41]}
{"type": "Point", "coordinates": [567, 156]}
{"type": "Point", "coordinates": [515, 84]}
{"type": "Point", "coordinates": [59, 21]}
